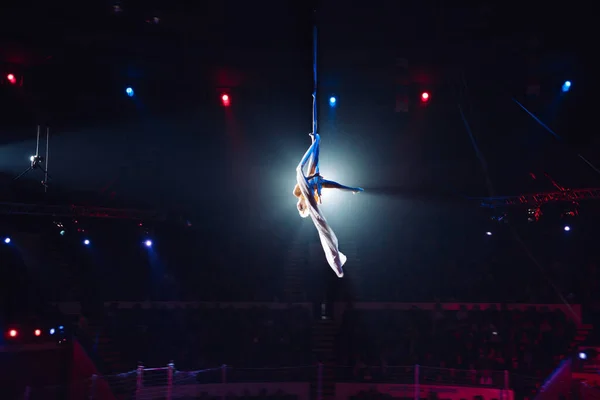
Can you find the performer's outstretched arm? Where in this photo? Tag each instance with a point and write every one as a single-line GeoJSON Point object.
{"type": "Point", "coordinates": [334, 185]}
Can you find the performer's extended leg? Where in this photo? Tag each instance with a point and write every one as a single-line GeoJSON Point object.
{"type": "Point", "coordinates": [334, 185]}
{"type": "Point", "coordinates": [313, 167]}
{"type": "Point", "coordinates": [310, 155]}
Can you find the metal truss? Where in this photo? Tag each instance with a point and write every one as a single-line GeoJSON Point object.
{"type": "Point", "coordinates": [538, 199]}
{"type": "Point", "coordinates": [73, 211]}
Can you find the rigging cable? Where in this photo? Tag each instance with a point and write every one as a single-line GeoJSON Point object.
{"type": "Point", "coordinates": [478, 152]}
{"type": "Point", "coordinates": [546, 127]}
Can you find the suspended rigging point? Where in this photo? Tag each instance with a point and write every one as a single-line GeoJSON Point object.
{"type": "Point", "coordinates": [38, 161]}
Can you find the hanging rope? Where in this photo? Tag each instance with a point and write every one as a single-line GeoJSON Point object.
{"type": "Point", "coordinates": [314, 95]}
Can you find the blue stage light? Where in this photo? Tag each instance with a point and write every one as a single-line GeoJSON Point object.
{"type": "Point", "coordinates": [86, 242]}
{"type": "Point", "coordinates": [129, 92]}
{"type": "Point", "coordinates": [332, 101]}
{"type": "Point", "coordinates": [566, 86]}
{"type": "Point", "coordinates": [7, 240]}
{"type": "Point", "coordinates": [148, 243]}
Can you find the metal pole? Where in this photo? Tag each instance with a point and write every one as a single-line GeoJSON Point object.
{"type": "Point", "coordinates": [37, 142]}
{"type": "Point", "coordinates": [170, 371]}
{"type": "Point", "coordinates": [47, 156]}
{"type": "Point", "coordinates": [93, 387]}
{"type": "Point", "coordinates": [223, 380]}
{"type": "Point", "coordinates": [139, 383]}
{"type": "Point", "coordinates": [320, 381]}
{"type": "Point", "coordinates": [417, 387]}
{"type": "Point", "coordinates": [506, 385]}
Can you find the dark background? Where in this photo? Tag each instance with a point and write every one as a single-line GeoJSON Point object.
{"type": "Point", "coordinates": [174, 147]}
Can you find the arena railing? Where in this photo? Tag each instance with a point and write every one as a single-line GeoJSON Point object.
{"type": "Point", "coordinates": [301, 382]}
{"type": "Point", "coordinates": [421, 375]}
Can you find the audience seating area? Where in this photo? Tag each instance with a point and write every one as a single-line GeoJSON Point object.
{"type": "Point", "coordinates": [471, 347]}
{"type": "Point", "coordinates": [210, 337]}
{"type": "Point", "coordinates": [528, 344]}
{"type": "Point", "coordinates": [466, 347]}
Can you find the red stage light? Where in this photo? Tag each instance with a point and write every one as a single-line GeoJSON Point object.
{"type": "Point", "coordinates": [225, 100]}
{"type": "Point", "coordinates": [37, 332]}
{"type": "Point", "coordinates": [11, 78]}
{"type": "Point", "coordinates": [424, 96]}
{"type": "Point", "coordinates": [13, 333]}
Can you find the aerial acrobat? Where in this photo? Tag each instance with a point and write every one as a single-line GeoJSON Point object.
{"type": "Point", "coordinates": [308, 192]}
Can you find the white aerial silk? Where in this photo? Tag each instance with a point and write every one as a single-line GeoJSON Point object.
{"type": "Point", "coordinates": [334, 256]}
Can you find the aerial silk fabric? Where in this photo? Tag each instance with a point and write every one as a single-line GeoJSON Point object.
{"type": "Point", "coordinates": [335, 258]}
